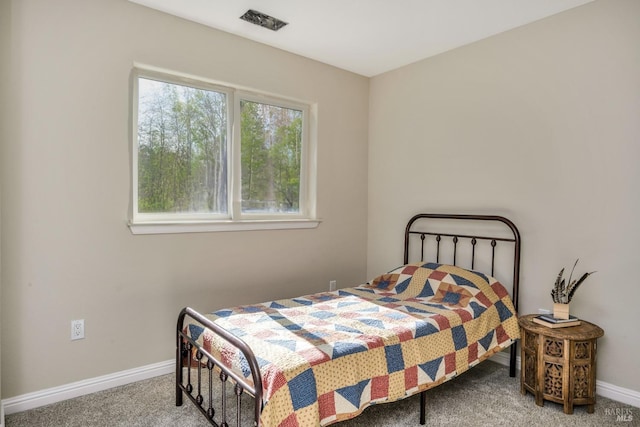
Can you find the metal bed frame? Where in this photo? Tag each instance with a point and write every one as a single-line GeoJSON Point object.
{"type": "Point", "coordinates": [187, 349]}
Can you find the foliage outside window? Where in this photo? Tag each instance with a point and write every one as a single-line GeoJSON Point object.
{"type": "Point", "coordinates": [271, 141]}
{"type": "Point", "coordinates": [194, 163]}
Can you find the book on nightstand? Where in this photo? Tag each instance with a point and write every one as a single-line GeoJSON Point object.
{"type": "Point", "coordinates": [553, 322]}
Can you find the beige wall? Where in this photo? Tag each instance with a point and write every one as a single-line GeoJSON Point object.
{"type": "Point", "coordinates": [5, 46]}
{"type": "Point", "coordinates": [540, 124]}
{"type": "Point", "coordinates": [66, 250]}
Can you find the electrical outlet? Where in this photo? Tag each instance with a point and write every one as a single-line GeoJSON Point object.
{"type": "Point", "coordinates": [77, 329]}
{"type": "Point", "coordinates": [332, 285]}
{"type": "Point", "coordinates": [544, 311]}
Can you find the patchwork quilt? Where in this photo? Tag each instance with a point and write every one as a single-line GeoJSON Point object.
{"type": "Point", "coordinates": [326, 357]}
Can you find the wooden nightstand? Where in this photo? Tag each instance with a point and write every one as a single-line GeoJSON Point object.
{"type": "Point", "coordinates": [559, 364]}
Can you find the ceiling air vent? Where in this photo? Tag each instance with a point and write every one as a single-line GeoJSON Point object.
{"type": "Point", "coordinates": [263, 20]}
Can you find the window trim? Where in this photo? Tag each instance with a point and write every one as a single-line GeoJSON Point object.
{"type": "Point", "coordinates": [234, 219]}
{"type": "Point", "coordinates": [159, 227]}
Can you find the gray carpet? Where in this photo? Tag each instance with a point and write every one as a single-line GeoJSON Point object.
{"type": "Point", "coordinates": [483, 396]}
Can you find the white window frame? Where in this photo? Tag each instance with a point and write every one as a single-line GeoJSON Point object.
{"type": "Point", "coordinates": [234, 219]}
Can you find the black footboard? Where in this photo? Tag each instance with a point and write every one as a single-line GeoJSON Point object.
{"type": "Point", "coordinates": [196, 369]}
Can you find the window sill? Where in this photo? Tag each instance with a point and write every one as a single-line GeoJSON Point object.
{"type": "Point", "coordinates": [157, 227]}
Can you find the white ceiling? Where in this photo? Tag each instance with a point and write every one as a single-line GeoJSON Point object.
{"type": "Point", "coordinates": [367, 37]}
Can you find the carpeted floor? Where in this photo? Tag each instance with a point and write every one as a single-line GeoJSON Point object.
{"type": "Point", "coordinates": [483, 396]}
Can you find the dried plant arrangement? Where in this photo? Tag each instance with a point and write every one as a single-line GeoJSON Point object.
{"type": "Point", "coordinates": [563, 291]}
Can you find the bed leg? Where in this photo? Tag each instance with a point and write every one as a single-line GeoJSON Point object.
{"type": "Point", "coordinates": [178, 376]}
{"type": "Point", "coordinates": [423, 408]}
{"type": "Point", "coordinates": [180, 358]}
{"type": "Point", "coordinates": [178, 396]}
{"type": "Point", "coordinates": [512, 360]}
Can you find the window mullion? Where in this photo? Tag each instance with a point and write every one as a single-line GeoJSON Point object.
{"type": "Point", "coordinates": [304, 167]}
{"type": "Point", "coordinates": [236, 160]}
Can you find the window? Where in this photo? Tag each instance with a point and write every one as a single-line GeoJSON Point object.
{"type": "Point", "coordinates": [210, 157]}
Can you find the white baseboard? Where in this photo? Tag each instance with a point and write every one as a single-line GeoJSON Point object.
{"type": "Point", "coordinates": [610, 391]}
{"type": "Point", "coordinates": [81, 388]}
{"type": "Point", "coordinates": [619, 394]}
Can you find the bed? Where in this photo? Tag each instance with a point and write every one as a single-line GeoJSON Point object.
{"type": "Point", "coordinates": [323, 358]}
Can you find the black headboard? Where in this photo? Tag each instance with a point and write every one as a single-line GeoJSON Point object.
{"type": "Point", "coordinates": [490, 228]}
{"type": "Point", "coordinates": [423, 227]}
